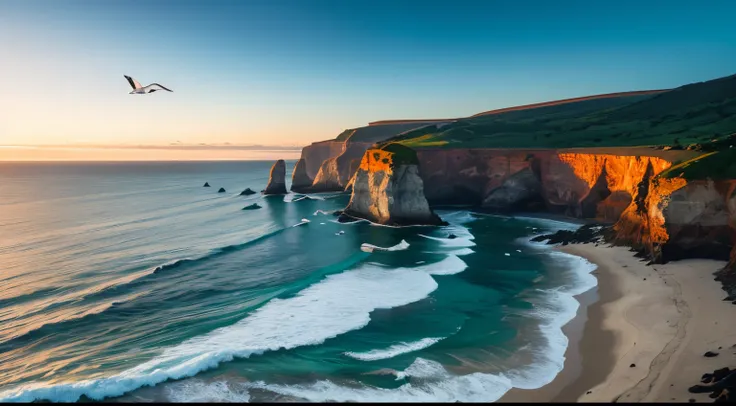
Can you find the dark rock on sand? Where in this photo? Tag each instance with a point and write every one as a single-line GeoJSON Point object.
{"type": "Point", "coordinates": [710, 354]}
{"type": "Point", "coordinates": [586, 233]}
{"type": "Point", "coordinates": [720, 384]}
{"type": "Point", "coordinates": [632, 365]}
{"type": "Point", "coordinates": [253, 206]}
{"type": "Point", "coordinates": [206, 184]}
{"type": "Point", "coordinates": [247, 192]}
{"type": "Point", "coordinates": [222, 190]}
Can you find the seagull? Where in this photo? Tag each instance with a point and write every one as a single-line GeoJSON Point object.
{"type": "Point", "coordinates": [138, 89]}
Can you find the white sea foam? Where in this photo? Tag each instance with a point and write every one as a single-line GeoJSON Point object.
{"type": "Point", "coordinates": [196, 391]}
{"type": "Point", "coordinates": [449, 266]}
{"type": "Point", "coordinates": [394, 350]}
{"type": "Point", "coordinates": [403, 245]}
{"type": "Point", "coordinates": [301, 223]}
{"type": "Point", "coordinates": [430, 383]}
{"type": "Point", "coordinates": [338, 304]}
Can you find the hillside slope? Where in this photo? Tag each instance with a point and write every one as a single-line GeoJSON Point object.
{"type": "Point", "coordinates": [686, 115]}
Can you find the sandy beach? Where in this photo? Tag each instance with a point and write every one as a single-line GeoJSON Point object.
{"type": "Point", "coordinates": [641, 334]}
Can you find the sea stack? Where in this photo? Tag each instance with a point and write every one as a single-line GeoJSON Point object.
{"type": "Point", "coordinates": [206, 184]}
{"type": "Point", "coordinates": [277, 179]}
{"type": "Point", "coordinates": [300, 180]}
{"type": "Point", "coordinates": [222, 190]}
{"type": "Point", "coordinates": [247, 192]}
{"type": "Point", "coordinates": [387, 189]}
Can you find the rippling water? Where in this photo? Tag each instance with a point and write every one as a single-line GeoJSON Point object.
{"type": "Point", "coordinates": [130, 281]}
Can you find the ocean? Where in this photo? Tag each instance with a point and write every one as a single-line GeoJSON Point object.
{"type": "Point", "coordinates": [133, 282]}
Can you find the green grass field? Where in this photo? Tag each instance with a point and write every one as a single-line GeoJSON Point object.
{"type": "Point", "coordinates": [692, 114]}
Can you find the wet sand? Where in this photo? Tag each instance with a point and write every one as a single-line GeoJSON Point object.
{"type": "Point", "coordinates": [661, 319]}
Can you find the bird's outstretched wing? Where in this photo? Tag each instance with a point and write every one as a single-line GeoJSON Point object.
{"type": "Point", "coordinates": [134, 83]}
{"type": "Point", "coordinates": [156, 84]}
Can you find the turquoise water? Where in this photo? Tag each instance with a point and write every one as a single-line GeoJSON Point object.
{"type": "Point", "coordinates": [133, 282]}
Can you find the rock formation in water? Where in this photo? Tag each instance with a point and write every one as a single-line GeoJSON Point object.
{"type": "Point", "coordinates": [222, 190]}
{"type": "Point", "coordinates": [328, 166]}
{"type": "Point", "coordinates": [206, 184]}
{"type": "Point", "coordinates": [300, 180]}
{"type": "Point", "coordinates": [277, 179]}
{"type": "Point", "coordinates": [664, 218]}
{"type": "Point", "coordinates": [387, 189]}
{"type": "Point", "coordinates": [253, 206]}
{"type": "Point", "coordinates": [247, 192]}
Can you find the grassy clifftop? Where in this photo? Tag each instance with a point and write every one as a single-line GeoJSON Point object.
{"type": "Point", "coordinates": [690, 114]}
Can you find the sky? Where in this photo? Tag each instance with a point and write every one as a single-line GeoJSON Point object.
{"type": "Point", "coordinates": [288, 73]}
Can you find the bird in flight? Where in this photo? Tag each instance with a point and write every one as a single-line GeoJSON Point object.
{"type": "Point", "coordinates": [138, 89]}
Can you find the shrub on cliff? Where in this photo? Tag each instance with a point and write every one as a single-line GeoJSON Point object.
{"type": "Point", "coordinates": [401, 155]}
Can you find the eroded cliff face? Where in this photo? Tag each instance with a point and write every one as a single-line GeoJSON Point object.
{"type": "Point", "coordinates": [311, 161]}
{"type": "Point", "coordinates": [386, 191]}
{"type": "Point", "coordinates": [467, 176]}
{"type": "Point", "coordinates": [330, 165]}
{"type": "Point", "coordinates": [335, 173]}
{"type": "Point", "coordinates": [664, 218]}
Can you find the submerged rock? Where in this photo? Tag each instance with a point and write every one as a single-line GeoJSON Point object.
{"type": "Point", "coordinates": [206, 184]}
{"type": "Point", "coordinates": [222, 190]}
{"type": "Point", "coordinates": [277, 179]}
{"type": "Point", "coordinates": [247, 192]}
{"type": "Point", "coordinates": [253, 206]}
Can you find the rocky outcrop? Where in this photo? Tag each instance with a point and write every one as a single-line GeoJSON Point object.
{"type": "Point", "coordinates": [663, 218]}
{"type": "Point", "coordinates": [247, 192]}
{"type": "Point", "coordinates": [335, 173]}
{"type": "Point", "coordinates": [330, 165]}
{"type": "Point", "coordinates": [300, 180]}
{"type": "Point", "coordinates": [277, 179]}
{"type": "Point", "coordinates": [387, 189]}
{"type": "Point", "coordinates": [312, 158]}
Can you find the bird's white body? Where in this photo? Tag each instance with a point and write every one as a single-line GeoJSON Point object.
{"type": "Point", "coordinates": [138, 89]}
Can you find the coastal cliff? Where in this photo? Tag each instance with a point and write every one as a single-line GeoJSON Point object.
{"type": "Point", "coordinates": [328, 166]}
{"type": "Point", "coordinates": [659, 166]}
{"type": "Point", "coordinates": [664, 218]}
{"type": "Point", "coordinates": [387, 189]}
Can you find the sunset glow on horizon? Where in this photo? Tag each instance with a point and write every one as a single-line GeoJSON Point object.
{"type": "Point", "coordinates": [292, 73]}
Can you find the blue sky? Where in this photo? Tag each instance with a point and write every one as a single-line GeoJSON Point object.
{"type": "Point", "coordinates": [292, 72]}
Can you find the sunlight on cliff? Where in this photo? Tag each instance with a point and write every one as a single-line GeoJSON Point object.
{"type": "Point", "coordinates": [639, 225]}
{"type": "Point", "coordinates": [375, 160]}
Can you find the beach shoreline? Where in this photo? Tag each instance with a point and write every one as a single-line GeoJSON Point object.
{"type": "Point", "coordinates": [640, 335]}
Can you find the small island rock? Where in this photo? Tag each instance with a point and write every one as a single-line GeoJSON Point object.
{"type": "Point", "coordinates": [253, 206]}
{"type": "Point", "coordinates": [247, 192]}
{"type": "Point", "coordinates": [277, 179]}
